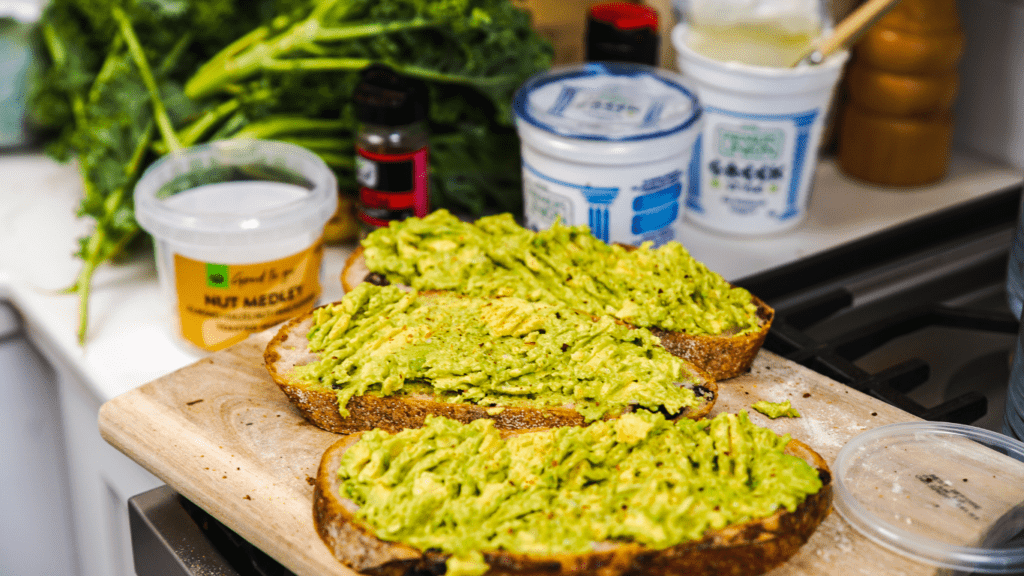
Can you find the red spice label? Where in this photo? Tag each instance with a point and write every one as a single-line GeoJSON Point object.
{"type": "Point", "coordinates": [393, 186]}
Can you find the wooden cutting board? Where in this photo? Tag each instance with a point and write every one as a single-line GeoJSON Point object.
{"type": "Point", "coordinates": [223, 435]}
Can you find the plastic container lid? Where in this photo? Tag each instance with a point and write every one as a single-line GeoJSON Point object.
{"type": "Point", "coordinates": [622, 32]}
{"type": "Point", "coordinates": [945, 494]}
{"type": "Point", "coordinates": [646, 112]}
{"type": "Point", "coordinates": [289, 191]}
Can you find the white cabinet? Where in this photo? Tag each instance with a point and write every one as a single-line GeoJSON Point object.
{"type": "Point", "coordinates": [35, 535]}
{"type": "Point", "coordinates": [63, 490]}
{"type": "Point", "coordinates": [103, 481]}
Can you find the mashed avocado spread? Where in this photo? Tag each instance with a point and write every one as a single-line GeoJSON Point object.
{"type": "Point", "coordinates": [492, 352]}
{"type": "Point", "coordinates": [463, 489]}
{"type": "Point", "coordinates": [775, 410]}
{"type": "Point", "coordinates": [650, 287]}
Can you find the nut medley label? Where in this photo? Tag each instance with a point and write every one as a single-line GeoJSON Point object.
{"type": "Point", "coordinates": [221, 304]}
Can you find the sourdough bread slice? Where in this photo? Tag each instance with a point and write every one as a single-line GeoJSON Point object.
{"type": "Point", "coordinates": [290, 350]}
{"type": "Point", "coordinates": [722, 356]}
{"type": "Point", "coordinates": [745, 549]}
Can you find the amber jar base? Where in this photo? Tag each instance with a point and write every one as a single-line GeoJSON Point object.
{"type": "Point", "coordinates": [894, 151]}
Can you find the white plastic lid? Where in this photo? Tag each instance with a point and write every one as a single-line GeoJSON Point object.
{"type": "Point", "coordinates": [945, 494]}
{"type": "Point", "coordinates": [255, 191]}
{"type": "Point", "coordinates": [608, 109]}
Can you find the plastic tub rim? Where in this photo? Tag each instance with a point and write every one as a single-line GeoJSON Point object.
{"type": "Point", "coordinates": [281, 221]}
{"type": "Point", "coordinates": [520, 101]}
{"type": "Point", "coordinates": [990, 561]}
{"type": "Point", "coordinates": [836, 60]}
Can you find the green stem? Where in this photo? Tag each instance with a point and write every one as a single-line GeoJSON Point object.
{"type": "Point", "coordinates": [94, 253]}
{"type": "Point", "coordinates": [353, 64]}
{"type": "Point", "coordinates": [59, 56]}
{"type": "Point", "coordinates": [208, 79]}
{"type": "Point", "coordinates": [324, 144]}
{"type": "Point", "coordinates": [218, 62]}
{"type": "Point", "coordinates": [83, 283]}
{"type": "Point", "coordinates": [429, 74]}
{"type": "Point", "coordinates": [274, 126]}
{"type": "Point", "coordinates": [107, 70]}
{"type": "Point", "coordinates": [193, 132]}
{"type": "Point", "coordinates": [316, 64]}
{"type": "Point", "coordinates": [339, 33]}
{"type": "Point", "coordinates": [337, 161]}
{"type": "Point", "coordinates": [266, 54]}
{"type": "Point", "coordinates": [179, 48]}
{"type": "Point", "coordinates": [163, 121]}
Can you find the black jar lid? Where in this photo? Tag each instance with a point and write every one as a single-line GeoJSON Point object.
{"type": "Point", "coordinates": [622, 32]}
{"type": "Point", "coordinates": [385, 97]}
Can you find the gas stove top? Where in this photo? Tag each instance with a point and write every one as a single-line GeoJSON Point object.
{"type": "Point", "coordinates": [915, 316]}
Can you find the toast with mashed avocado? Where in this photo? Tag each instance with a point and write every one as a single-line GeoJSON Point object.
{"type": "Point", "coordinates": [637, 495]}
{"type": "Point", "coordinates": [384, 357]}
{"type": "Point", "coordinates": [695, 312]}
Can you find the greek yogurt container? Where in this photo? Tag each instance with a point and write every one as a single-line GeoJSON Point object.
{"type": "Point", "coordinates": [607, 145]}
{"type": "Point", "coordinates": [753, 165]}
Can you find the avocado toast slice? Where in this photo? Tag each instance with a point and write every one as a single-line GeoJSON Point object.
{"type": "Point", "coordinates": [383, 357]}
{"type": "Point", "coordinates": [696, 313]}
{"type": "Point", "coordinates": [635, 495]}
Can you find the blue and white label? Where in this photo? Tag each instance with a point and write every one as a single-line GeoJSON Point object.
{"type": "Point", "coordinates": [627, 206]}
{"type": "Point", "coordinates": [751, 173]}
{"type": "Point", "coordinates": [606, 145]}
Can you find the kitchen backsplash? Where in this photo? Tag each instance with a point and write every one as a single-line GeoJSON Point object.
{"type": "Point", "coordinates": [989, 113]}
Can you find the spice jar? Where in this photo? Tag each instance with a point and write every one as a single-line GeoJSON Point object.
{"type": "Point", "coordinates": [622, 32]}
{"type": "Point", "coordinates": [391, 147]}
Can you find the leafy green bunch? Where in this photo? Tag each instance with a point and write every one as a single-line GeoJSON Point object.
{"type": "Point", "coordinates": [125, 81]}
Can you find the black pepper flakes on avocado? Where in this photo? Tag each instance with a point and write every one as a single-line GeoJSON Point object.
{"type": "Point", "coordinates": [491, 352]}
{"type": "Point", "coordinates": [463, 489]}
{"type": "Point", "coordinates": [662, 288]}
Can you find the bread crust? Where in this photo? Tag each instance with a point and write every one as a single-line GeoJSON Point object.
{"type": "Point", "coordinates": [355, 270]}
{"type": "Point", "coordinates": [744, 549]}
{"type": "Point", "coordinates": [289, 349]}
{"type": "Point", "coordinates": [721, 356]}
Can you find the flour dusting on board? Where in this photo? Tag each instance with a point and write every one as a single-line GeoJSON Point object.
{"type": "Point", "coordinates": [831, 413]}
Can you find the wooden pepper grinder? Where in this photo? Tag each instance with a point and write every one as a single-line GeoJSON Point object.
{"type": "Point", "coordinates": [896, 128]}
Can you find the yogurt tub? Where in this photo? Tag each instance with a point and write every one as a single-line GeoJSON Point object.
{"type": "Point", "coordinates": [237, 227]}
{"type": "Point", "coordinates": [607, 145]}
{"type": "Point", "coordinates": [753, 165]}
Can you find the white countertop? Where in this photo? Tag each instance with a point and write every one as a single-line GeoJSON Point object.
{"type": "Point", "coordinates": [129, 339]}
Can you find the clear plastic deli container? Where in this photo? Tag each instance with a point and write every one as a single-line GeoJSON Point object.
{"type": "Point", "coordinates": [607, 145]}
{"type": "Point", "coordinates": [946, 495]}
{"type": "Point", "coordinates": [237, 227]}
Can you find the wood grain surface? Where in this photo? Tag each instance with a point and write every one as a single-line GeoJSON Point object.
{"type": "Point", "coordinates": [223, 435]}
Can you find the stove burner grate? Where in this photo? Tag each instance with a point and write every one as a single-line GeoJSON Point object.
{"type": "Point", "coordinates": [941, 271]}
{"type": "Point", "coordinates": [836, 357]}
